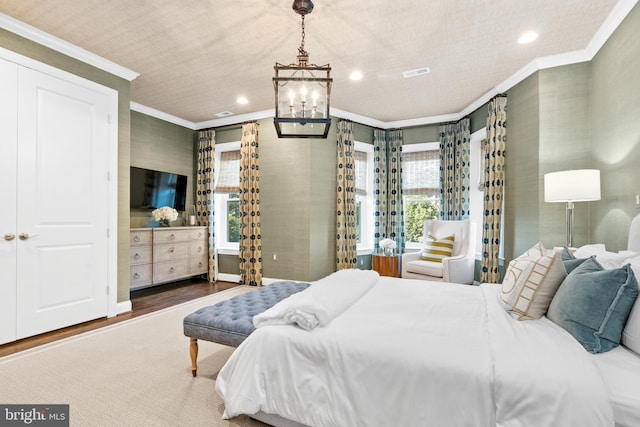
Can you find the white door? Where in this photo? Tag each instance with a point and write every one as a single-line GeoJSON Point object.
{"type": "Point", "coordinates": [8, 138]}
{"type": "Point", "coordinates": [62, 203]}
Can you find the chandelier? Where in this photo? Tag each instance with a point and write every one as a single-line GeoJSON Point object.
{"type": "Point", "coordinates": [302, 92]}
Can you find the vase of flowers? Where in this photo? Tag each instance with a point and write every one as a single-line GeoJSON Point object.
{"type": "Point", "coordinates": [387, 246]}
{"type": "Point", "coordinates": [165, 215]}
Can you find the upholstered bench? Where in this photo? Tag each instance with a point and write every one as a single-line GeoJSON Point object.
{"type": "Point", "coordinates": [230, 321]}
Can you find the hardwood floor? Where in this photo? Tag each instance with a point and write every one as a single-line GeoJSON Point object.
{"type": "Point", "coordinates": [143, 301]}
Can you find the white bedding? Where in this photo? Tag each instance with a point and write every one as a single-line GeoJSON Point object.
{"type": "Point", "coordinates": [411, 353]}
{"type": "Point", "coordinates": [321, 303]}
{"type": "Point", "coordinates": [620, 369]}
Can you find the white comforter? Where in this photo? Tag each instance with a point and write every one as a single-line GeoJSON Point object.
{"type": "Point", "coordinates": [410, 353]}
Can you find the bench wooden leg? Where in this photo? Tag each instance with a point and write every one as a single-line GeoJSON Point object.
{"type": "Point", "coordinates": [193, 350]}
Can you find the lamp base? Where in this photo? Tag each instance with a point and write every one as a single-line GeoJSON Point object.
{"type": "Point", "coordinates": [569, 215]}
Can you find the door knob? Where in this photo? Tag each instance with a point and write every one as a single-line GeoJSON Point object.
{"type": "Point", "coordinates": [23, 236]}
{"type": "Point", "coordinates": [9, 236]}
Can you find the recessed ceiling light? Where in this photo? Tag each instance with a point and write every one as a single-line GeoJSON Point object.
{"type": "Point", "coordinates": [242, 100]}
{"type": "Point", "coordinates": [527, 37]}
{"type": "Point", "coordinates": [356, 75]}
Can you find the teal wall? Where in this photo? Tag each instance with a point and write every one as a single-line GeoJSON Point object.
{"type": "Point", "coordinates": [576, 116]}
{"type": "Point", "coordinates": [615, 141]}
{"type": "Point", "coordinates": [160, 145]}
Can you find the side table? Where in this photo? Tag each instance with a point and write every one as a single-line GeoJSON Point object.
{"type": "Point", "coordinates": [387, 265]}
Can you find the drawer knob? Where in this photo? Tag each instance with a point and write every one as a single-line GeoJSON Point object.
{"type": "Point", "coordinates": [171, 270]}
{"type": "Point", "coordinates": [200, 264]}
{"type": "Point", "coordinates": [199, 248]}
{"type": "Point", "coordinates": [136, 276]}
{"type": "Point", "coordinates": [136, 256]}
{"type": "Point", "coordinates": [172, 249]}
{"type": "Point", "coordinates": [172, 237]}
{"type": "Point", "coordinates": [136, 239]}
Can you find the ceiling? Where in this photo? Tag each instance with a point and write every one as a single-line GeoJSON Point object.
{"type": "Point", "coordinates": [196, 57]}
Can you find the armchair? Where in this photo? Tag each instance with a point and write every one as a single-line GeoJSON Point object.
{"type": "Point", "coordinates": [458, 268]}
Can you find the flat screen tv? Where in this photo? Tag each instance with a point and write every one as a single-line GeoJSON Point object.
{"type": "Point", "coordinates": [151, 189]}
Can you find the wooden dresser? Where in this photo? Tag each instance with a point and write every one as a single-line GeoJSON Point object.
{"type": "Point", "coordinates": [161, 255]}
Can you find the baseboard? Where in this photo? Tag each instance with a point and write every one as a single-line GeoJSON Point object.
{"type": "Point", "coordinates": [235, 278]}
{"type": "Point", "coordinates": [123, 307]}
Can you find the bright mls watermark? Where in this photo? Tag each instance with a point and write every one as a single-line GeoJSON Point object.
{"type": "Point", "coordinates": [34, 415]}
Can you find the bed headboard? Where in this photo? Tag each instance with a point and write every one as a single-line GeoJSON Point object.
{"type": "Point", "coordinates": [634, 235]}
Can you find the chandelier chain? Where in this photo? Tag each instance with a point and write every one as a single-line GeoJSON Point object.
{"type": "Point", "coordinates": [301, 50]}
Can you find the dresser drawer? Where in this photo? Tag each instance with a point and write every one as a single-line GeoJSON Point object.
{"type": "Point", "coordinates": [140, 255]}
{"type": "Point", "coordinates": [170, 270]}
{"type": "Point", "coordinates": [140, 237]}
{"type": "Point", "coordinates": [170, 251]}
{"type": "Point", "coordinates": [200, 234]}
{"type": "Point", "coordinates": [140, 275]}
{"type": "Point", "coordinates": [198, 249]}
{"type": "Point", "coordinates": [199, 265]}
{"type": "Point", "coordinates": [170, 235]}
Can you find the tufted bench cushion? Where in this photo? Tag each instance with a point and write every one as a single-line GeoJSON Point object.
{"type": "Point", "coordinates": [229, 322]}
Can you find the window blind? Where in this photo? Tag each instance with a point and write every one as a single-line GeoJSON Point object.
{"type": "Point", "coordinates": [421, 173]}
{"type": "Point", "coordinates": [361, 172]}
{"type": "Point", "coordinates": [229, 174]}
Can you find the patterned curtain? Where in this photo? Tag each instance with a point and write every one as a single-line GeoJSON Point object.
{"type": "Point", "coordinates": [455, 152]}
{"type": "Point", "coordinates": [346, 224]}
{"type": "Point", "coordinates": [250, 235]}
{"type": "Point", "coordinates": [389, 210]}
{"type": "Point", "coordinates": [494, 177]}
{"type": "Point", "coordinates": [395, 209]}
{"type": "Point", "coordinates": [204, 192]}
{"type": "Point", "coordinates": [379, 185]}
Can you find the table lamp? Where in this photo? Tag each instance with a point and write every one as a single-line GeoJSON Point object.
{"type": "Point", "coordinates": [581, 185]}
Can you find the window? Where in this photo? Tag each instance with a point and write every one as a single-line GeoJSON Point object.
{"type": "Point", "coordinates": [364, 195]}
{"type": "Point", "coordinates": [420, 188]}
{"type": "Point", "coordinates": [227, 199]}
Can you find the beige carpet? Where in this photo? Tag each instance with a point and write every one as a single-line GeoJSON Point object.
{"type": "Point", "coordinates": [133, 373]}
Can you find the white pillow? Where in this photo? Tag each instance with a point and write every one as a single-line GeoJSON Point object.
{"type": "Point", "coordinates": [531, 281]}
{"type": "Point", "coordinates": [588, 250]}
{"type": "Point", "coordinates": [631, 332]}
{"type": "Point", "coordinates": [606, 259]}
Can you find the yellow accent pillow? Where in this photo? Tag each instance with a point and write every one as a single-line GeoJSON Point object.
{"type": "Point", "coordinates": [436, 249]}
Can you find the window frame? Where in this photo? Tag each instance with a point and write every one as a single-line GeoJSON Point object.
{"type": "Point", "coordinates": [412, 148]}
{"type": "Point", "coordinates": [365, 246]}
{"type": "Point", "coordinates": [223, 246]}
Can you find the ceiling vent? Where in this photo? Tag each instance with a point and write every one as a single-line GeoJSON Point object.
{"type": "Point", "coordinates": [416, 72]}
{"type": "Point", "coordinates": [224, 114]}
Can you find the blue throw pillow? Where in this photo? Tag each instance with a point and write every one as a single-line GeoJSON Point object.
{"type": "Point", "coordinates": [593, 304]}
{"type": "Point", "coordinates": [569, 261]}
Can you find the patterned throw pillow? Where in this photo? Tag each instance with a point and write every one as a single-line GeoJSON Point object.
{"type": "Point", "coordinates": [436, 249]}
{"type": "Point", "coordinates": [531, 281]}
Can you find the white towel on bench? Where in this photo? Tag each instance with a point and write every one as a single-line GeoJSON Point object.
{"type": "Point", "coordinates": [321, 302]}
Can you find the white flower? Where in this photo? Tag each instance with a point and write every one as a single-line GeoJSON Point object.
{"type": "Point", "coordinates": [165, 213]}
{"type": "Point", "coordinates": [387, 243]}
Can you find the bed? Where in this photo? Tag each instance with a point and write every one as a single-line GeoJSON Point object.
{"type": "Point", "coordinates": [389, 351]}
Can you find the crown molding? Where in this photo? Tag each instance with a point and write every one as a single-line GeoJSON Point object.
{"type": "Point", "coordinates": [233, 120]}
{"type": "Point", "coordinates": [162, 116]}
{"type": "Point", "coordinates": [610, 24]}
{"type": "Point", "coordinates": [64, 47]}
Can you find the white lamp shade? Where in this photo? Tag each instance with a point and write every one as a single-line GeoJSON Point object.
{"type": "Point", "coordinates": [581, 185]}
